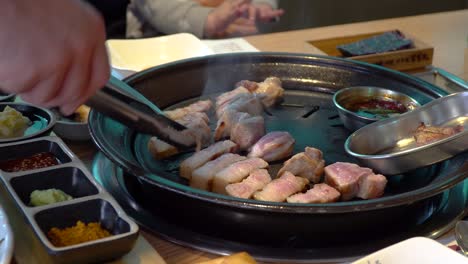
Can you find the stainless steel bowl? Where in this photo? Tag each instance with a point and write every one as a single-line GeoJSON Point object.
{"type": "Point", "coordinates": [353, 121]}
{"type": "Point", "coordinates": [71, 130]}
{"type": "Point", "coordinates": [388, 146]}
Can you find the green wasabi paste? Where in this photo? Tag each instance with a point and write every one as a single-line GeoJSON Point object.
{"type": "Point", "coordinates": [49, 196]}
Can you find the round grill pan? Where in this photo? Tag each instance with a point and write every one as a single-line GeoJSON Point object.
{"type": "Point", "coordinates": [307, 113]}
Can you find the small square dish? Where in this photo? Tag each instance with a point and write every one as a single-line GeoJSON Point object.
{"type": "Point", "coordinates": [141, 54]}
{"type": "Point", "coordinates": [56, 233]}
{"type": "Point", "coordinates": [33, 154]}
{"type": "Point", "coordinates": [68, 215]}
{"type": "Point", "coordinates": [415, 250]}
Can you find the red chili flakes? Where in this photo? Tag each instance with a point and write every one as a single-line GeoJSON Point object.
{"type": "Point", "coordinates": [36, 161]}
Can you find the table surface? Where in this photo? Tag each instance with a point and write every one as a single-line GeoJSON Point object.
{"type": "Point", "coordinates": [447, 32]}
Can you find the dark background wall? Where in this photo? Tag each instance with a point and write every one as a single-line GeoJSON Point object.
{"type": "Point", "coordinates": [307, 13]}
{"type": "Point", "coordinates": [317, 13]}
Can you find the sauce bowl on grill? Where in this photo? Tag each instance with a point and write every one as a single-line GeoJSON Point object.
{"type": "Point", "coordinates": [361, 105]}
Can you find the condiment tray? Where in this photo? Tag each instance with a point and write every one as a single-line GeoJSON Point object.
{"type": "Point", "coordinates": [89, 203]}
{"type": "Point", "coordinates": [388, 146]}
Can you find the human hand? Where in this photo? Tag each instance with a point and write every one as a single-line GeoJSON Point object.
{"type": "Point", "coordinates": [264, 12]}
{"type": "Point", "coordinates": [241, 27]}
{"type": "Point", "coordinates": [52, 52]}
{"type": "Point", "coordinates": [222, 16]}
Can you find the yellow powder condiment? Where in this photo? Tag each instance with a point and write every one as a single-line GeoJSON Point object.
{"type": "Point", "coordinates": [79, 233]}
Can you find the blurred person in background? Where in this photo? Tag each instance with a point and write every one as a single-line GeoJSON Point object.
{"type": "Point", "coordinates": [203, 18]}
{"type": "Point", "coordinates": [52, 52]}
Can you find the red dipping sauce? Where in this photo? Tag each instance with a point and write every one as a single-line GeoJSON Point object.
{"type": "Point", "coordinates": [378, 104]}
{"type": "Point", "coordinates": [36, 161]}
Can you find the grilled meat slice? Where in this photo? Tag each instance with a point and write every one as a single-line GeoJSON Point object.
{"type": "Point", "coordinates": [247, 131]}
{"type": "Point", "coordinates": [202, 178]}
{"type": "Point", "coordinates": [428, 134]}
{"type": "Point", "coordinates": [371, 186]}
{"type": "Point", "coordinates": [320, 193]}
{"type": "Point", "coordinates": [197, 124]}
{"type": "Point", "coordinates": [281, 188]}
{"type": "Point", "coordinates": [199, 106]}
{"type": "Point", "coordinates": [271, 91]}
{"type": "Point", "coordinates": [160, 149]}
{"type": "Point", "coordinates": [345, 177]}
{"type": "Point", "coordinates": [249, 85]}
{"type": "Point", "coordinates": [199, 158]}
{"type": "Point", "coordinates": [226, 97]}
{"type": "Point", "coordinates": [197, 127]}
{"type": "Point", "coordinates": [273, 146]}
{"type": "Point", "coordinates": [236, 172]}
{"type": "Point", "coordinates": [308, 164]}
{"type": "Point", "coordinates": [254, 182]}
{"type": "Point", "coordinates": [247, 103]}
{"type": "Point", "coordinates": [226, 122]}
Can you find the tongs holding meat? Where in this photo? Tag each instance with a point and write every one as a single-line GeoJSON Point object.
{"type": "Point", "coordinates": [124, 104]}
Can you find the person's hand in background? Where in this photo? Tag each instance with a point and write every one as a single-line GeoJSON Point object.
{"type": "Point", "coordinates": [247, 25]}
{"type": "Point", "coordinates": [223, 15]}
{"type": "Point", "coordinates": [264, 12]}
{"type": "Point", "coordinates": [52, 52]}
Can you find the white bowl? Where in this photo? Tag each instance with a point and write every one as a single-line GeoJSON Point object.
{"type": "Point", "coordinates": [415, 250]}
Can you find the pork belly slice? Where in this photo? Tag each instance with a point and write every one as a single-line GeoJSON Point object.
{"type": "Point", "coordinates": [428, 134]}
{"type": "Point", "coordinates": [228, 96]}
{"type": "Point", "coordinates": [187, 118]}
{"type": "Point", "coordinates": [320, 193]}
{"type": "Point", "coordinates": [254, 182]}
{"type": "Point", "coordinates": [247, 103]}
{"type": "Point", "coordinates": [249, 85]}
{"type": "Point", "coordinates": [202, 178]}
{"type": "Point", "coordinates": [271, 91]}
{"type": "Point", "coordinates": [247, 131]}
{"type": "Point", "coordinates": [226, 122]}
{"type": "Point", "coordinates": [197, 127]}
{"type": "Point", "coordinates": [236, 172]}
{"type": "Point", "coordinates": [199, 158]}
{"type": "Point", "coordinates": [281, 188]}
{"type": "Point", "coordinates": [314, 153]}
{"type": "Point", "coordinates": [345, 177]}
{"type": "Point", "coordinates": [308, 164]}
{"type": "Point", "coordinates": [372, 186]}
{"type": "Point", "coordinates": [160, 149]}
{"type": "Point", "coordinates": [197, 124]}
{"type": "Point", "coordinates": [199, 106]}
{"type": "Point", "coordinates": [273, 146]}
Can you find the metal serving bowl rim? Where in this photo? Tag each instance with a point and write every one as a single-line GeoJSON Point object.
{"type": "Point", "coordinates": [344, 90]}
{"type": "Point", "coordinates": [339, 207]}
{"type": "Point", "coordinates": [402, 152]}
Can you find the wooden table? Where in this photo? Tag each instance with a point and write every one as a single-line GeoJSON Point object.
{"type": "Point", "coordinates": [447, 32]}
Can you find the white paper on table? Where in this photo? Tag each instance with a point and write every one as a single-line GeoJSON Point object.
{"type": "Point", "coordinates": [231, 45]}
{"type": "Point", "coordinates": [142, 253]}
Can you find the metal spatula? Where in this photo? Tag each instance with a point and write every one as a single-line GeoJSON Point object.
{"type": "Point", "coordinates": [124, 104]}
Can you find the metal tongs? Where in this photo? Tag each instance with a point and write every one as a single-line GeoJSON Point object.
{"type": "Point", "coordinates": [122, 103]}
